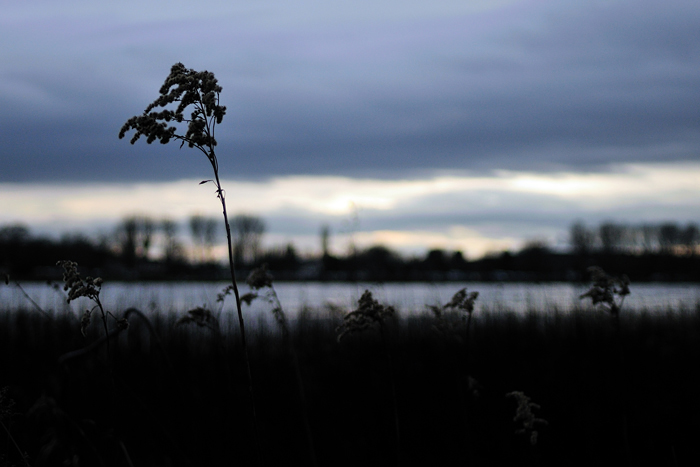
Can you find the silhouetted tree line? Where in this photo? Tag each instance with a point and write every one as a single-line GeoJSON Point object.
{"type": "Point", "coordinates": [667, 238]}
{"type": "Point", "coordinates": [25, 256]}
{"type": "Point", "coordinates": [142, 248]}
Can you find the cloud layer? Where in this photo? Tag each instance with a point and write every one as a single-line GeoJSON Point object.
{"type": "Point", "coordinates": [475, 214]}
{"type": "Point", "coordinates": [385, 90]}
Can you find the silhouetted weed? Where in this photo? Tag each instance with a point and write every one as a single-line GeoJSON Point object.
{"type": "Point", "coordinates": [184, 415]}
{"type": "Point", "coordinates": [199, 92]}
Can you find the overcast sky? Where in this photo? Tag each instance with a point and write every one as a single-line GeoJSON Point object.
{"type": "Point", "coordinates": [463, 124]}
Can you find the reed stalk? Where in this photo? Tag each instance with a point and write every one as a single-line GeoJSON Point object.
{"type": "Point", "coordinates": [200, 91]}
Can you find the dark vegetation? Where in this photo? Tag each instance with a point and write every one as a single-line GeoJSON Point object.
{"type": "Point", "coordinates": [450, 388]}
{"type": "Point", "coordinates": [664, 252]}
{"type": "Point", "coordinates": [624, 394]}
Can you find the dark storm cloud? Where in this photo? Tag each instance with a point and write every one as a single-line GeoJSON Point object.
{"type": "Point", "coordinates": [535, 86]}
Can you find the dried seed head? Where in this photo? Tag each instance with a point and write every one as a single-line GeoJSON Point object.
{"type": "Point", "coordinates": [85, 322]}
{"type": "Point", "coordinates": [368, 314]}
{"type": "Point", "coordinates": [186, 87]}
{"type": "Point", "coordinates": [523, 414]}
{"type": "Point", "coordinates": [122, 324]}
{"type": "Point", "coordinates": [199, 316]}
{"type": "Point", "coordinates": [75, 285]}
{"type": "Point", "coordinates": [221, 296]}
{"type": "Point", "coordinates": [248, 298]}
{"type": "Point", "coordinates": [605, 288]}
{"type": "Point", "coordinates": [259, 278]}
{"type": "Point", "coordinates": [6, 404]}
{"type": "Point", "coordinates": [463, 301]}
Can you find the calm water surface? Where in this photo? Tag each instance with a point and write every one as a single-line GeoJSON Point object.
{"type": "Point", "coordinates": [406, 297]}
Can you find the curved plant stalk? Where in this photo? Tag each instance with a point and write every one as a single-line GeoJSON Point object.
{"type": "Point", "coordinates": [608, 293]}
{"type": "Point", "coordinates": [368, 315]}
{"type": "Point", "coordinates": [6, 410]}
{"type": "Point", "coordinates": [66, 357]}
{"type": "Point", "coordinates": [259, 279]}
{"type": "Point", "coordinates": [22, 455]}
{"type": "Point", "coordinates": [90, 288]}
{"type": "Point", "coordinates": [464, 302]}
{"type": "Point", "coordinates": [26, 295]}
{"type": "Point", "coordinates": [198, 91]}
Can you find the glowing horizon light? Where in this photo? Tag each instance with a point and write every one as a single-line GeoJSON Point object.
{"type": "Point", "coordinates": [568, 185]}
{"type": "Point", "coordinates": [457, 238]}
{"type": "Point", "coordinates": [475, 214]}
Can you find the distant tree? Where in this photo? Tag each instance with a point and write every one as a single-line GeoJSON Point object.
{"type": "Point", "coordinates": [146, 227]}
{"type": "Point", "coordinates": [669, 237]}
{"type": "Point", "coordinates": [436, 260]}
{"type": "Point", "coordinates": [351, 226]}
{"type": "Point", "coordinates": [173, 249]}
{"type": "Point", "coordinates": [534, 246]}
{"type": "Point", "coordinates": [14, 233]}
{"type": "Point", "coordinates": [457, 261]}
{"type": "Point", "coordinates": [291, 259]}
{"type": "Point", "coordinates": [127, 232]}
{"type": "Point", "coordinates": [204, 232]}
{"type": "Point", "coordinates": [135, 236]}
{"type": "Point", "coordinates": [211, 235]}
{"type": "Point", "coordinates": [689, 237]}
{"type": "Point", "coordinates": [611, 237]}
{"type": "Point", "coordinates": [247, 232]}
{"type": "Point", "coordinates": [282, 258]}
{"type": "Point", "coordinates": [535, 256]}
{"type": "Point", "coordinates": [628, 239]}
{"type": "Point", "coordinates": [581, 239]}
{"type": "Point", "coordinates": [378, 261]}
{"type": "Point", "coordinates": [634, 239]}
{"type": "Point", "coordinates": [197, 233]}
{"type": "Point", "coordinates": [377, 255]}
{"type": "Point", "coordinates": [325, 238]}
{"type": "Point", "coordinates": [650, 238]}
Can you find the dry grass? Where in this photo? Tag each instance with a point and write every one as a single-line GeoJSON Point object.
{"type": "Point", "coordinates": [185, 414]}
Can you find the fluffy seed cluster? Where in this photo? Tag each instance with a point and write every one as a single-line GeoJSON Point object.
{"type": "Point", "coordinates": [221, 296]}
{"type": "Point", "coordinates": [605, 288]}
{"type": "Point", "coordinates": [523, 414]}
{"type": "Point", "coordinates": [199, 89]}
{"type": "Point", "coordinates": [122, 324]}
{"type": "Point", "coordinates": [259, 278]}
{"type": "Point", "coordinates": [199, 316]}
{"type": "Point", "coordinates": [85, 322]}
{"type": "Point", "coordinates": [368, 314]}
{"type": "Point", "coordinates": [463, 301]}
{"type": "Point", "coordinates": [6, 404]}
{"type": "Point", "coordinates": [76, 286]}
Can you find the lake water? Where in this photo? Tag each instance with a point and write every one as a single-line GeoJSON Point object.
{"type": "Point", "coordinates": [406, 297]}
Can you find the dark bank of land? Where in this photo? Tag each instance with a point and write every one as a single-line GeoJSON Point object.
{"type": "Point", "coordinates": [612, 395]}
{"type": "Point", "coordinates": [24, 257]}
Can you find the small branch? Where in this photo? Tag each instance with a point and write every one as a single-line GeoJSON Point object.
{"type": "Point", "coordinates": [87, 349]}
{"type": "Point", "coordinates": [26, 295]}
{"type": "Point", "coordinates": [14, 443]}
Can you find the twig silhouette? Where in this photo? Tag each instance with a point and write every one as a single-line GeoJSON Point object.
{"type": "Point", "coordinates": [200, 90]}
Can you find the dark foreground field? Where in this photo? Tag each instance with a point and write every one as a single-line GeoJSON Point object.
{"type": "Point", "coordinates": [631, 397]}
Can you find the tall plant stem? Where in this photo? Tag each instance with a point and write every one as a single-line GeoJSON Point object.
{"type": "Point", "coordinates": [26, 295]}
{"type": "Point", "coordinates": [200, 90]}
{"type": "Point", "coordinates": [241, 322]}
{"type": "Point", "coordinates": [392, 377]}
{"type": "Point", "coordinates": [297, 373]}
{"type": "Point", "coordinates": [12, 439]}
{"type": "Point", "coordinates": [466, 345]}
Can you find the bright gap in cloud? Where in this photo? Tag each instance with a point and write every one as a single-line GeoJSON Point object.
{"type": "Point", "coordinates": [389, 206]}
